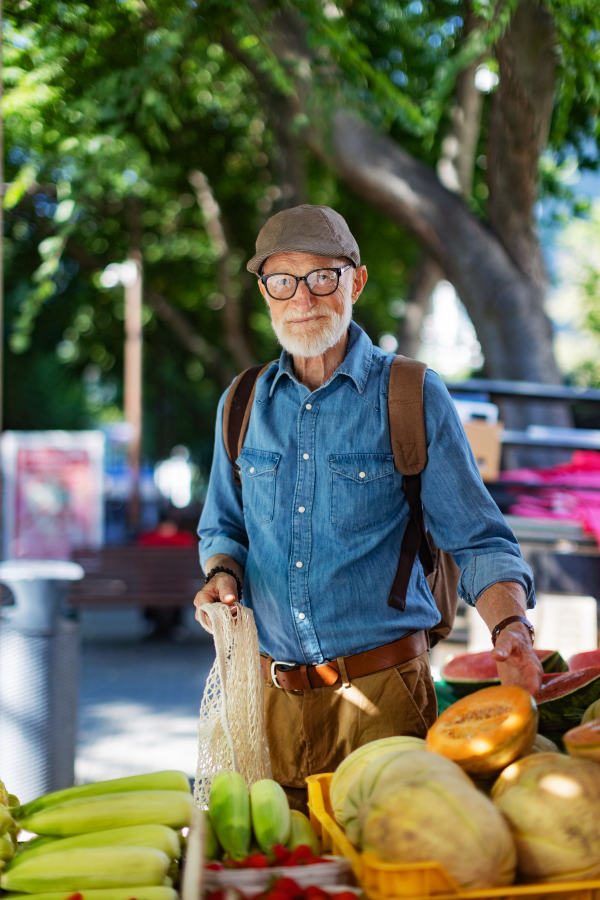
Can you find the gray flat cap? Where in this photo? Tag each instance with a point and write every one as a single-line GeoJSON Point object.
{"type": "Point", "coordinates": [305, 229]}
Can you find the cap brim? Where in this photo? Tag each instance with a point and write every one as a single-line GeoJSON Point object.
{"type": "Point", "coordinates": [259, 258]}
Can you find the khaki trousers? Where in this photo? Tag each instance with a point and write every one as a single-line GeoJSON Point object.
{"type": "Point", "coordinates": [313, 731]}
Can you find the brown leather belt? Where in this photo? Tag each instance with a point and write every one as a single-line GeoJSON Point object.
{"type": "Point", "coordinates": [345, 668]}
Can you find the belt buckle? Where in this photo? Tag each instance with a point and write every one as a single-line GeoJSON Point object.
{"type": "Point", "coordinates": [274, 664]}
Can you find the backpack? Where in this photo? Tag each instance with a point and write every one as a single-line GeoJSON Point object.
{"type": "Point", "coordinates": [409, 445]}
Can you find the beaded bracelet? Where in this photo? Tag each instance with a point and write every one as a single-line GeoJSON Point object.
{"type": "Point", "coordinates": [216, 571]}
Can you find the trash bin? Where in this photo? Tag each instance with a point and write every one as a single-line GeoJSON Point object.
{"type": "Point", "coordinates": [39, 678]}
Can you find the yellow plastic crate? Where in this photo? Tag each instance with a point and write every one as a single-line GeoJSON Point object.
{"type": "Point", "coordinates": [388, 881]}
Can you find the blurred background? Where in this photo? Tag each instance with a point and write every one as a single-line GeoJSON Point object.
{"type": "Point", "coordinates": [145, 144]}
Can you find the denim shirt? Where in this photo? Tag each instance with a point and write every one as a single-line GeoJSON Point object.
{"type": "Point", "coordinates": [320, 516]}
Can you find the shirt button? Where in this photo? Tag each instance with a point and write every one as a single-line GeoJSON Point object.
{"type": "Point", "coordinates": [301, 616]}
{"type": "Point", "coordinates": [360, 474]}
{"type": "Point", "coordinates": [308, 406]}
{"type": "Point", "coordinates": [299, 564]}
{"type": "Point", "coordinates": [305, 456]}
{"type": "Point", "coordinates": [251, 469]}
{"type": "Point", "coordinates": [301, 509]}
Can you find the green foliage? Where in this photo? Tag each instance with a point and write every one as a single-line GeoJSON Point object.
{"type": "Point", "coordinates": [112, 107]}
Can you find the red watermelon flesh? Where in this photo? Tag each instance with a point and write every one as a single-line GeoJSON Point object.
{"type": "Point", "coordinates": [588, 660]}
{"type": "Point", "coordinates": [564, 697]}
{"type": "Point", "coordinates": [473, 671]}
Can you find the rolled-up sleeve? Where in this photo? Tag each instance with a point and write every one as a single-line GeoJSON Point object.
{"type": "Point", "coordinates": [459, 512]}
{"type": "Point", "coordinates": [221, 528]}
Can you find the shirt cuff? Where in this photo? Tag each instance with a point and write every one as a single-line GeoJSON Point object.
{"type": "Point", "coordinates": [221, 544]}
{"type": "Point", "coordinates": [490, 568]}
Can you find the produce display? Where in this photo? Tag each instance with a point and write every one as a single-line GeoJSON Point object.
{"type": "Point", "coordinates": [485, 731]}
{"type": "Point", "coordinates": [485, 796]}
{"type": "Point", "coordinates": [114, 840]}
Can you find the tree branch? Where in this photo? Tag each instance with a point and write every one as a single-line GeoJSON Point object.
{"type": "Point", "coordinates": [235, 338]}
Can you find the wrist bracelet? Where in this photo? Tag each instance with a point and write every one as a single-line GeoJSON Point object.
{"type": "Point", "coordinates": [216, 571]}
{"type": "Point", "coordinates": [509, 621]}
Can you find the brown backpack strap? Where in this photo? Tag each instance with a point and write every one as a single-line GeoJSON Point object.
{"type": "Point", "coordinates": [236, 412]}
{"type": "Point", "coordinates": [409, 444]}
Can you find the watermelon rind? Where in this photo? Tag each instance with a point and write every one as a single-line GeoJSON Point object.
{"type": "Point", "coordinates": [564, 698]}
{"type": "Point", "coordinates": [471, 672]}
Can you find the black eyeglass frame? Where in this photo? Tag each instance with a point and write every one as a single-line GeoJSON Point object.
{"type": "Point", "coordinates": [338, 271]}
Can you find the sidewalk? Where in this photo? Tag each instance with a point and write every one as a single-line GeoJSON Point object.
{"type": "Point", "coordinates": [139, 705]}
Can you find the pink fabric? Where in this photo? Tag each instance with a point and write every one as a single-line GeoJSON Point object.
{"type": "Point", "coordinates": [565, 503]}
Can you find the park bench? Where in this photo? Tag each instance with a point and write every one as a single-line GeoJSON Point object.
{"type": "Point", "coordinates": [129, 575]}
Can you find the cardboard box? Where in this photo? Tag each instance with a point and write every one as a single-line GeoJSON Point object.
{"type": "Point", "coordinates": [486, 445]}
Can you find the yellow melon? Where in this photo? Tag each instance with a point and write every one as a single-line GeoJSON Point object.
{"type": "Point", "coordinates": [442, 818]}
{"type": "Point", "coordinates": [552, 805]}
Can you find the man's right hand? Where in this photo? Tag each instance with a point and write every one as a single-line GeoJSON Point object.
{"type": "Point", "coordinates": [221, 587]}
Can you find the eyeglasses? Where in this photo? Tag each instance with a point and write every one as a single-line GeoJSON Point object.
{"type": "Point", "coordinates": [320, 282]}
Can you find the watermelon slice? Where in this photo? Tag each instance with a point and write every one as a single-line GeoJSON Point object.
{"type": "Point", "coordinates": [588, 660]}
{"type": "Point", "coordinates": [563, 699]}
{"type": "Point", "coordinates": [474, 671]}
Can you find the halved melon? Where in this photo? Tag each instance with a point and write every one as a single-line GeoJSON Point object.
{"type": "Point", "coordinates": [487, 730]}
{"type": "Point", "coordinates": [584, 741]}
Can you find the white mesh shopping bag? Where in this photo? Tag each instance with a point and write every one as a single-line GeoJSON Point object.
{"type": "Point", "coordinates": [231, 730]}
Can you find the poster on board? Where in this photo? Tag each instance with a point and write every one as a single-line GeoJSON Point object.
{"type": "Point", "coordinates": [52, 493]}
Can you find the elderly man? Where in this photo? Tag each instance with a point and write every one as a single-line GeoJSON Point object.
{"type": "Point", "coordinates": [316, 556]}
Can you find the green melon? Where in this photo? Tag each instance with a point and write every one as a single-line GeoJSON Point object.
{"type": "Point", "coordinates": [353, 765]}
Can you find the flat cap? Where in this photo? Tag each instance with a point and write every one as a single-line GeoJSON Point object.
{"type": "Point", "coordinates": [305, 229]}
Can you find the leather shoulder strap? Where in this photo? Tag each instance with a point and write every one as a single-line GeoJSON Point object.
{"type": "Point", "coordinates": [406, 415]}
{"type": "Point", "coordinates": [409, 444]}
{"type": "Point", "coordinates": [237, 409]}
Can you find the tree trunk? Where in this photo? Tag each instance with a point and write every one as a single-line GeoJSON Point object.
{"type": "Point", "coordinates": [519, 128]}
{"type": "Point", "coordinates": [426, 276]}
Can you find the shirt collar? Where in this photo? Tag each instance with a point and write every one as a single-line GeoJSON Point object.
{"type": "Point", "coordinates": [356, 364]}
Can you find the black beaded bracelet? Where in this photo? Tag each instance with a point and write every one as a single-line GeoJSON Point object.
{"type": "Point", "coordinates": [216, 571]}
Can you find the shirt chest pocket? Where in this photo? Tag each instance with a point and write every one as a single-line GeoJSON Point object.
{"type": "Point", "coordinates": [363, 490]}
{"type": "Point", "coordinates": [258, 470]}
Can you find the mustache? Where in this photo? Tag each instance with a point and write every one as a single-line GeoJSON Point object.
{"type": "Point", "coordinates": [328, 313]}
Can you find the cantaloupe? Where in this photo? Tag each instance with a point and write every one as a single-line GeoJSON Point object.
{"type": "Point", "coordinates": [487, 730]}
{"type": "Point", "coordinates": [439, 816]}
{"type": "Point", "coordinates": [382, 774]}
{"type": "Point", "coordinates": [353, 765]}
{"type": "Point", "coordinates": [552, 803]}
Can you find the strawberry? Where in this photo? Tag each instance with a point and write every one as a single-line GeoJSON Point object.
{"type": "Point", "coordinates": [281, 854]}
{"type": "Point", "coordinates": [256, 861]}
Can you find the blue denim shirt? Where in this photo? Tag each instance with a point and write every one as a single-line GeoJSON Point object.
{"type": "Point", "coordinates": [320, 516]}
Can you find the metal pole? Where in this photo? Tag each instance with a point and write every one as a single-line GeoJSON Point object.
{"type": "Point", "coordinates": [133, 383]}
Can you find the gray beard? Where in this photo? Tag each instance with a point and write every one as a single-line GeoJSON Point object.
{"type": "Point", "coordinates": [308, 340]}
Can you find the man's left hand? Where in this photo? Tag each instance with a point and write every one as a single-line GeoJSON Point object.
{"type": "Point", "coordinates": [516, 660]}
